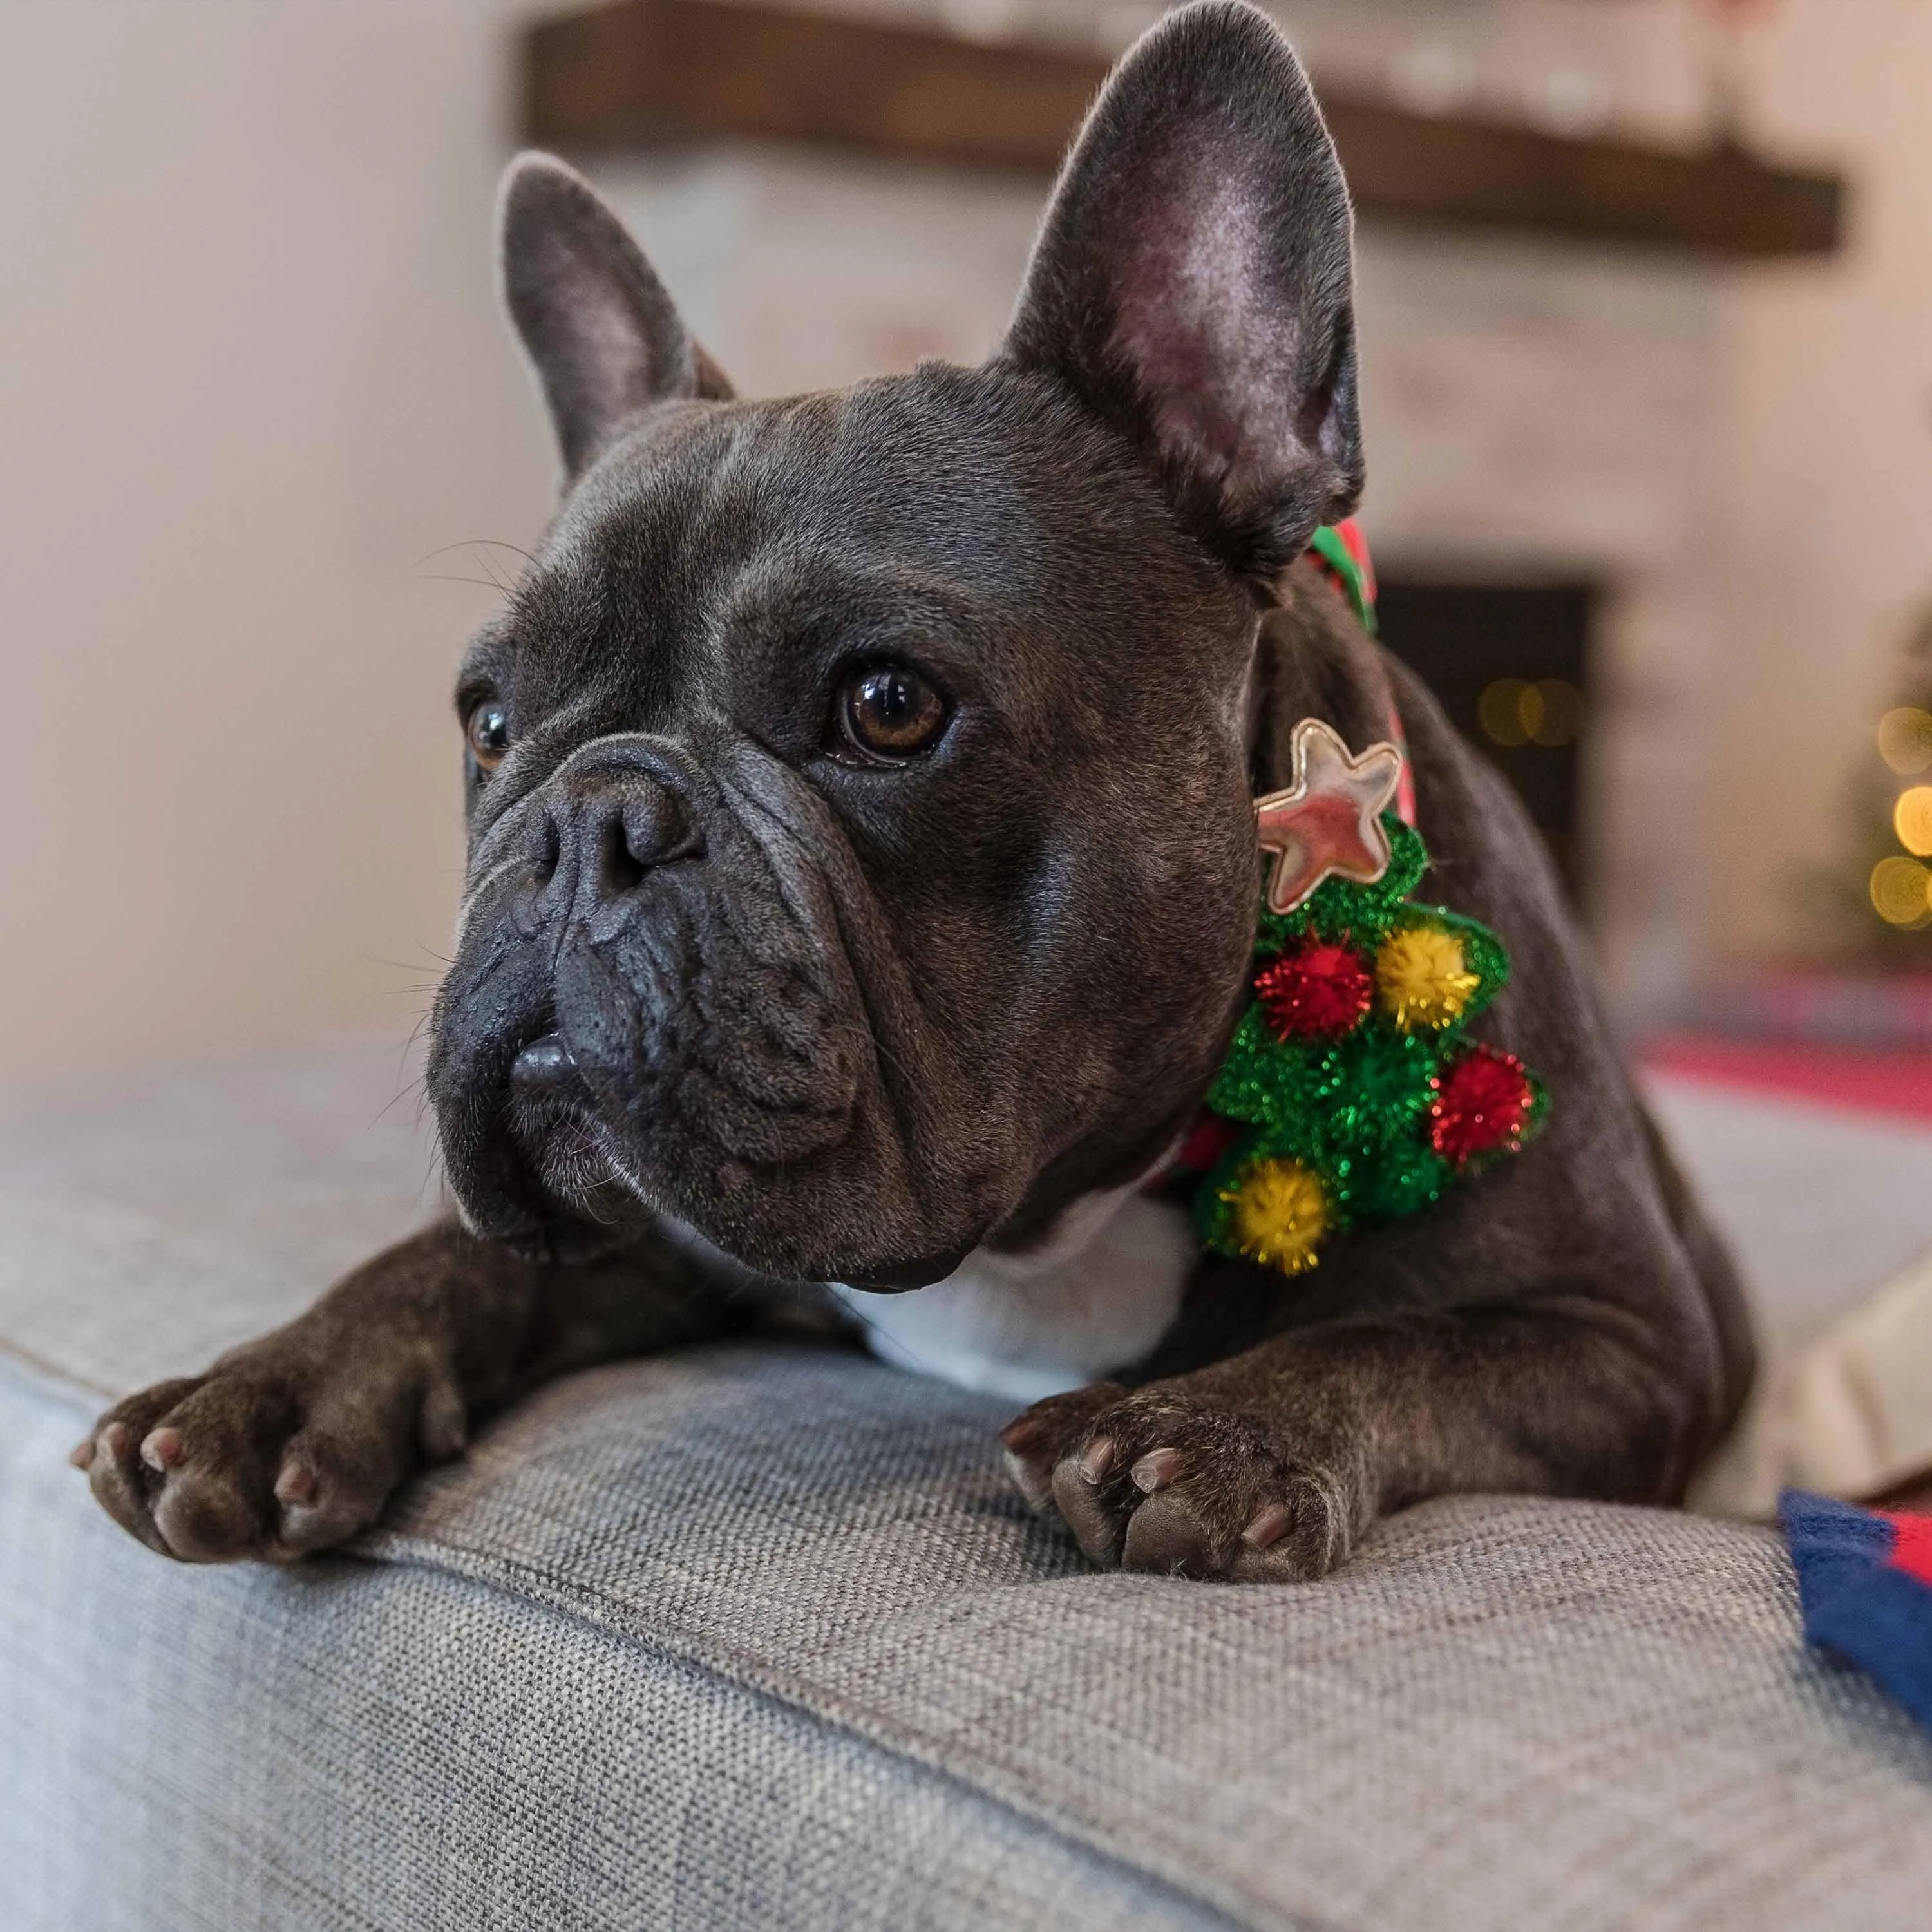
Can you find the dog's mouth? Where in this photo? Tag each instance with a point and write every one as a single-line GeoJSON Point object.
{"type": "Point", "coordinates": [552, 1118]}
{"type": "Point", "coordinates": [576, 1198]}
{"type": "Point", "coordinates": [586, 1195]}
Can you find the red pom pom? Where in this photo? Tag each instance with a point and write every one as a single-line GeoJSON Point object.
{"type": "Point", "coordinates": [1482, 1102]}
{"type": "Point", "coordinates": [1321, 990]}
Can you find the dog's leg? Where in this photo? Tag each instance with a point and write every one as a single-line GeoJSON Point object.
{"type": "Point", "coordinates": [1271, 1465]}
{"type": "Point", "coordinates": [295, 1441]}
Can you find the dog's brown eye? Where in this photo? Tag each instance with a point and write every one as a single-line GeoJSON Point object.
{"type": "Point", "coordinates": [488, 731]}
{"type": "Point", "coordinates": [889, 712]}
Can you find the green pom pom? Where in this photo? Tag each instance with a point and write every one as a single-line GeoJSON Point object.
{"type": "Point", "coordinates": [1410, 1178]}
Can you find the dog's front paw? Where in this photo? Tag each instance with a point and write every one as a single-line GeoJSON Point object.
{"type": "Point", "coordinates": [1173, 1480]}
{"type": "Point", "coordinates": [283, 1447]}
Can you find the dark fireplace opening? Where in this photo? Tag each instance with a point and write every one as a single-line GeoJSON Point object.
{"type": "Point", "coordinates": [1510, 662]}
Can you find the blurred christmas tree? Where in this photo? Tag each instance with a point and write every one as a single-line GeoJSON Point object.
{"type": "Point", "coordinates": [1888, 893]}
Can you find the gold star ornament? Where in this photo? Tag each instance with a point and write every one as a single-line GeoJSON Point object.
{"type": "Point", "coordinates": [1328, 822]}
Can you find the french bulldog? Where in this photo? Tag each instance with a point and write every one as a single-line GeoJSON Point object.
{"type": "Point", "coordinates": [861, 887]}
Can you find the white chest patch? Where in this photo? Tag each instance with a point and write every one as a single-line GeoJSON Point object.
{"type": "Point", "coordinates": [1096, 1298]}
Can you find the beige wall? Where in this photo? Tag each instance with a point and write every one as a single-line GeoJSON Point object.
{"type": "Point", "coordinates": [1828, 547]}
{"type": "Point", "coordinates": [250, 373]}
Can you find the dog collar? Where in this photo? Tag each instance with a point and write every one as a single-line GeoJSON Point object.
{"type": "Point", "coordinates": [1351, 1093]}
{"type": "Point", "coordinates": [1341, 551]}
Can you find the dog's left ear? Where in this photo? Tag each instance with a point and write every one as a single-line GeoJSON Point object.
{"type": "Point", "coordinates": [1193, 283]}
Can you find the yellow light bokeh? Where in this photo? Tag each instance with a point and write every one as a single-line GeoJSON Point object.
{"type": "Point", "coordinates": [1905, 740]}
{"type": "Point", "coordinates": [1561, 706]}
{"type": "Point", "coordinates": [1499, 711]}
{"type": "Point", "coordinates": [1912, 819]}
{"type": "Point", "coordinates": [1512, 711]}
{"type": "Point", "coordinates": [1901, 891]}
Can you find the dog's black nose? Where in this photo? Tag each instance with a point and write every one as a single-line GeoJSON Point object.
{"type": "Point", "coordinates": [602, 834]}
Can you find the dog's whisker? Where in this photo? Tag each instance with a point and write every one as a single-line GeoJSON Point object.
{"type": "Point", "coordinates": [444, 576]}
{"type": "Point", "coordinates": [401, 1094]}
{"type": "Point", "coordinates": [472, 543]}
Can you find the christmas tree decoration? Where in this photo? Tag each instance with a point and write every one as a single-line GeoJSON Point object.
{"type": "Point", "coordinates": [1880, 904]}
{"type": "Point", "coordinates": [1423, 978]}
{"type": "Point", "coordinates": [1279, 1213]}
{"type": "Point", "coordinates": [1482, 1104]}
{"type": "Point", "coordinates": [1328, 824]}
{"type": "Point", "coordinates": [1350, 1094]}
{"type": "Point", "coordinates": [1318, 990]}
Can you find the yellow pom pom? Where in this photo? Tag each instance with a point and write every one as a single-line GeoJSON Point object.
{"type": "Point", "coordinates": [1423, 977]}
{"type": "Point", "coordinates": [1281, 1212]}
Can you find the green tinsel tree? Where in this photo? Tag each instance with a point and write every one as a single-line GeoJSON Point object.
{"type": "Point", "coordinates": [1350, 1094]}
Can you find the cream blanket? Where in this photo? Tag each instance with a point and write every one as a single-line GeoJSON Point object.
{"type": "Point", "coordinates": [1848, 1413]}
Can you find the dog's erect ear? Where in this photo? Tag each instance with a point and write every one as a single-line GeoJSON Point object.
{"type": "Point", "coordinates": [604, 337]}
{"type": "Point", "coordinates": [1192, 282]}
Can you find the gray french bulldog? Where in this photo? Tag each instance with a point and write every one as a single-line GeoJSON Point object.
{"type": "Point", "coordinates": [862, 888]}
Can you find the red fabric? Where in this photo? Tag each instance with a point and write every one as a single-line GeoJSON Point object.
{"type": "Point", "coordinates": [1911, 1544]}
{"type": "Point", "coordinates": [1855, 1078]}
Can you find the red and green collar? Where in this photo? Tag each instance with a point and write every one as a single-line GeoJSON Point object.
{"type": "Point", "coordinates": [1343, 552]}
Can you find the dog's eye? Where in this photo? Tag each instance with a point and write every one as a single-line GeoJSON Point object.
{"type": "Point", "coordinates": [889, 712]}
{"type": "Point", "coordinates": [488, 731]}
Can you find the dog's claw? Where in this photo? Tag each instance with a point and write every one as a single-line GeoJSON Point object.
{"type": "Point", "coordinates": [161, 1449]}
{"type": "Point", "coordinates": [1096, 1460]}
{"type": "Point", "coordinates": [1023, 1433]}
{"type": "Point", "coordinates": [81, 1454]}
{"type": "Point", "coordinates": [1269, 1526]}
{"type": "Point", "coordinates": [1034, 1483]}
{"type": "Point", "coordinates": [297, 1485]}
{"type": "Point", "coordinates": [1156, 1469]}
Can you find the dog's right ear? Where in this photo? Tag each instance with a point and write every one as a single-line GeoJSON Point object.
{"type": "Point", "coordinates": [604, 338]}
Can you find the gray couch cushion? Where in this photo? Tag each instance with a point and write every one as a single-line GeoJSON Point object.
{"type": "Point", "coordinates": [756, 1638]}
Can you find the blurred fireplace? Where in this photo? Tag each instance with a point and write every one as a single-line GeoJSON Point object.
{"type": "Point", "coordinates": [1510, 662]}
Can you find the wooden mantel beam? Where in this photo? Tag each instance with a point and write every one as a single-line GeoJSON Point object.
{"type": "Point", "coordinates": [652, 71]}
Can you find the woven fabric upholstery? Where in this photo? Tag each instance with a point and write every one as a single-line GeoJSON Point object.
{"type": "Point", "coordinates": [754, 1638]}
